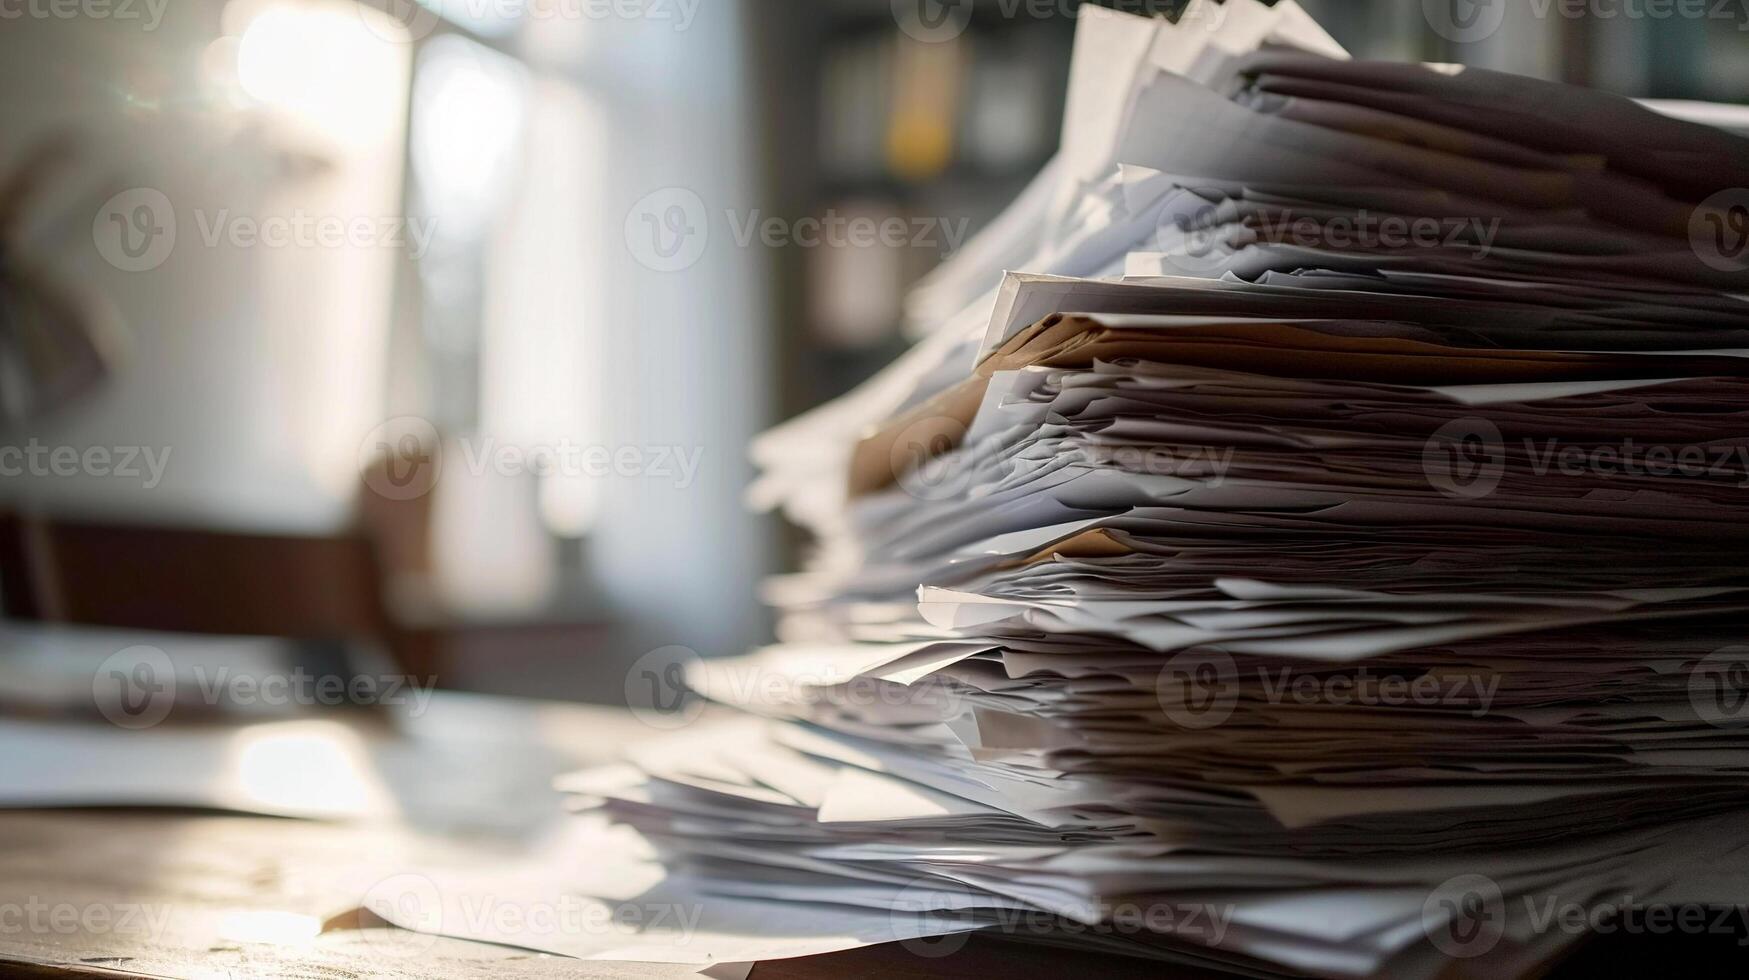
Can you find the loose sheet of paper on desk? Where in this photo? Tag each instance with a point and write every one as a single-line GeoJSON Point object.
{"type": "Point", "coordinates": [1307, 539]}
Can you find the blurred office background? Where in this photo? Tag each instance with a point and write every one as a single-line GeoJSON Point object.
{"type": "Point", "coordinates": [449, 325]}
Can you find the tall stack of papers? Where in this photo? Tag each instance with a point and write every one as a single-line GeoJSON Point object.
{"type": "Point", "coordinates": [1324, 558]}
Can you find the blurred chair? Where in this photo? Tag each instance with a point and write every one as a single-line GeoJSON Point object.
{"type": "Point", "coordinates": [326, 591]}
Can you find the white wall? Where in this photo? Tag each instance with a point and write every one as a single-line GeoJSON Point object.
{"type": "Point", "coordinates": [262, 369]}
{"type": "Point", "coordinates": [257, 368]}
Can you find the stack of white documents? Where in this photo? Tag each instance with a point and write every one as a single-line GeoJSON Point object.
{"type": "Point", "coordinates": [1326, 557]}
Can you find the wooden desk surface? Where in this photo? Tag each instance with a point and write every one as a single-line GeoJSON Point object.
{"type": "Point", "coordinates": [184, 894]}
{"type": "Point", "coordinates": [156, 893]}
{"type": "Point", "coordinates": [118, 893]}
{"type": "Point", "coordinates": [159, 893]}
{"type": "Point", "coordinates": [224, 885]}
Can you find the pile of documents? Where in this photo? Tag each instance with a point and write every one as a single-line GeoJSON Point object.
{"type": "Point", "coordinates": [1324, 558]}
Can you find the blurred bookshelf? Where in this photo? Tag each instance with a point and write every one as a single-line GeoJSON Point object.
{"type": "Point", "coordinates": [866, 120]}
{"type": "Point", "coordinates": [872, 123]}
{"type": "Point", "coordinates": [1662, 49]}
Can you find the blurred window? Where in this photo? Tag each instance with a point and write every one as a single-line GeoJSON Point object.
{"type": "Point", "coordinates": [504, 161]}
